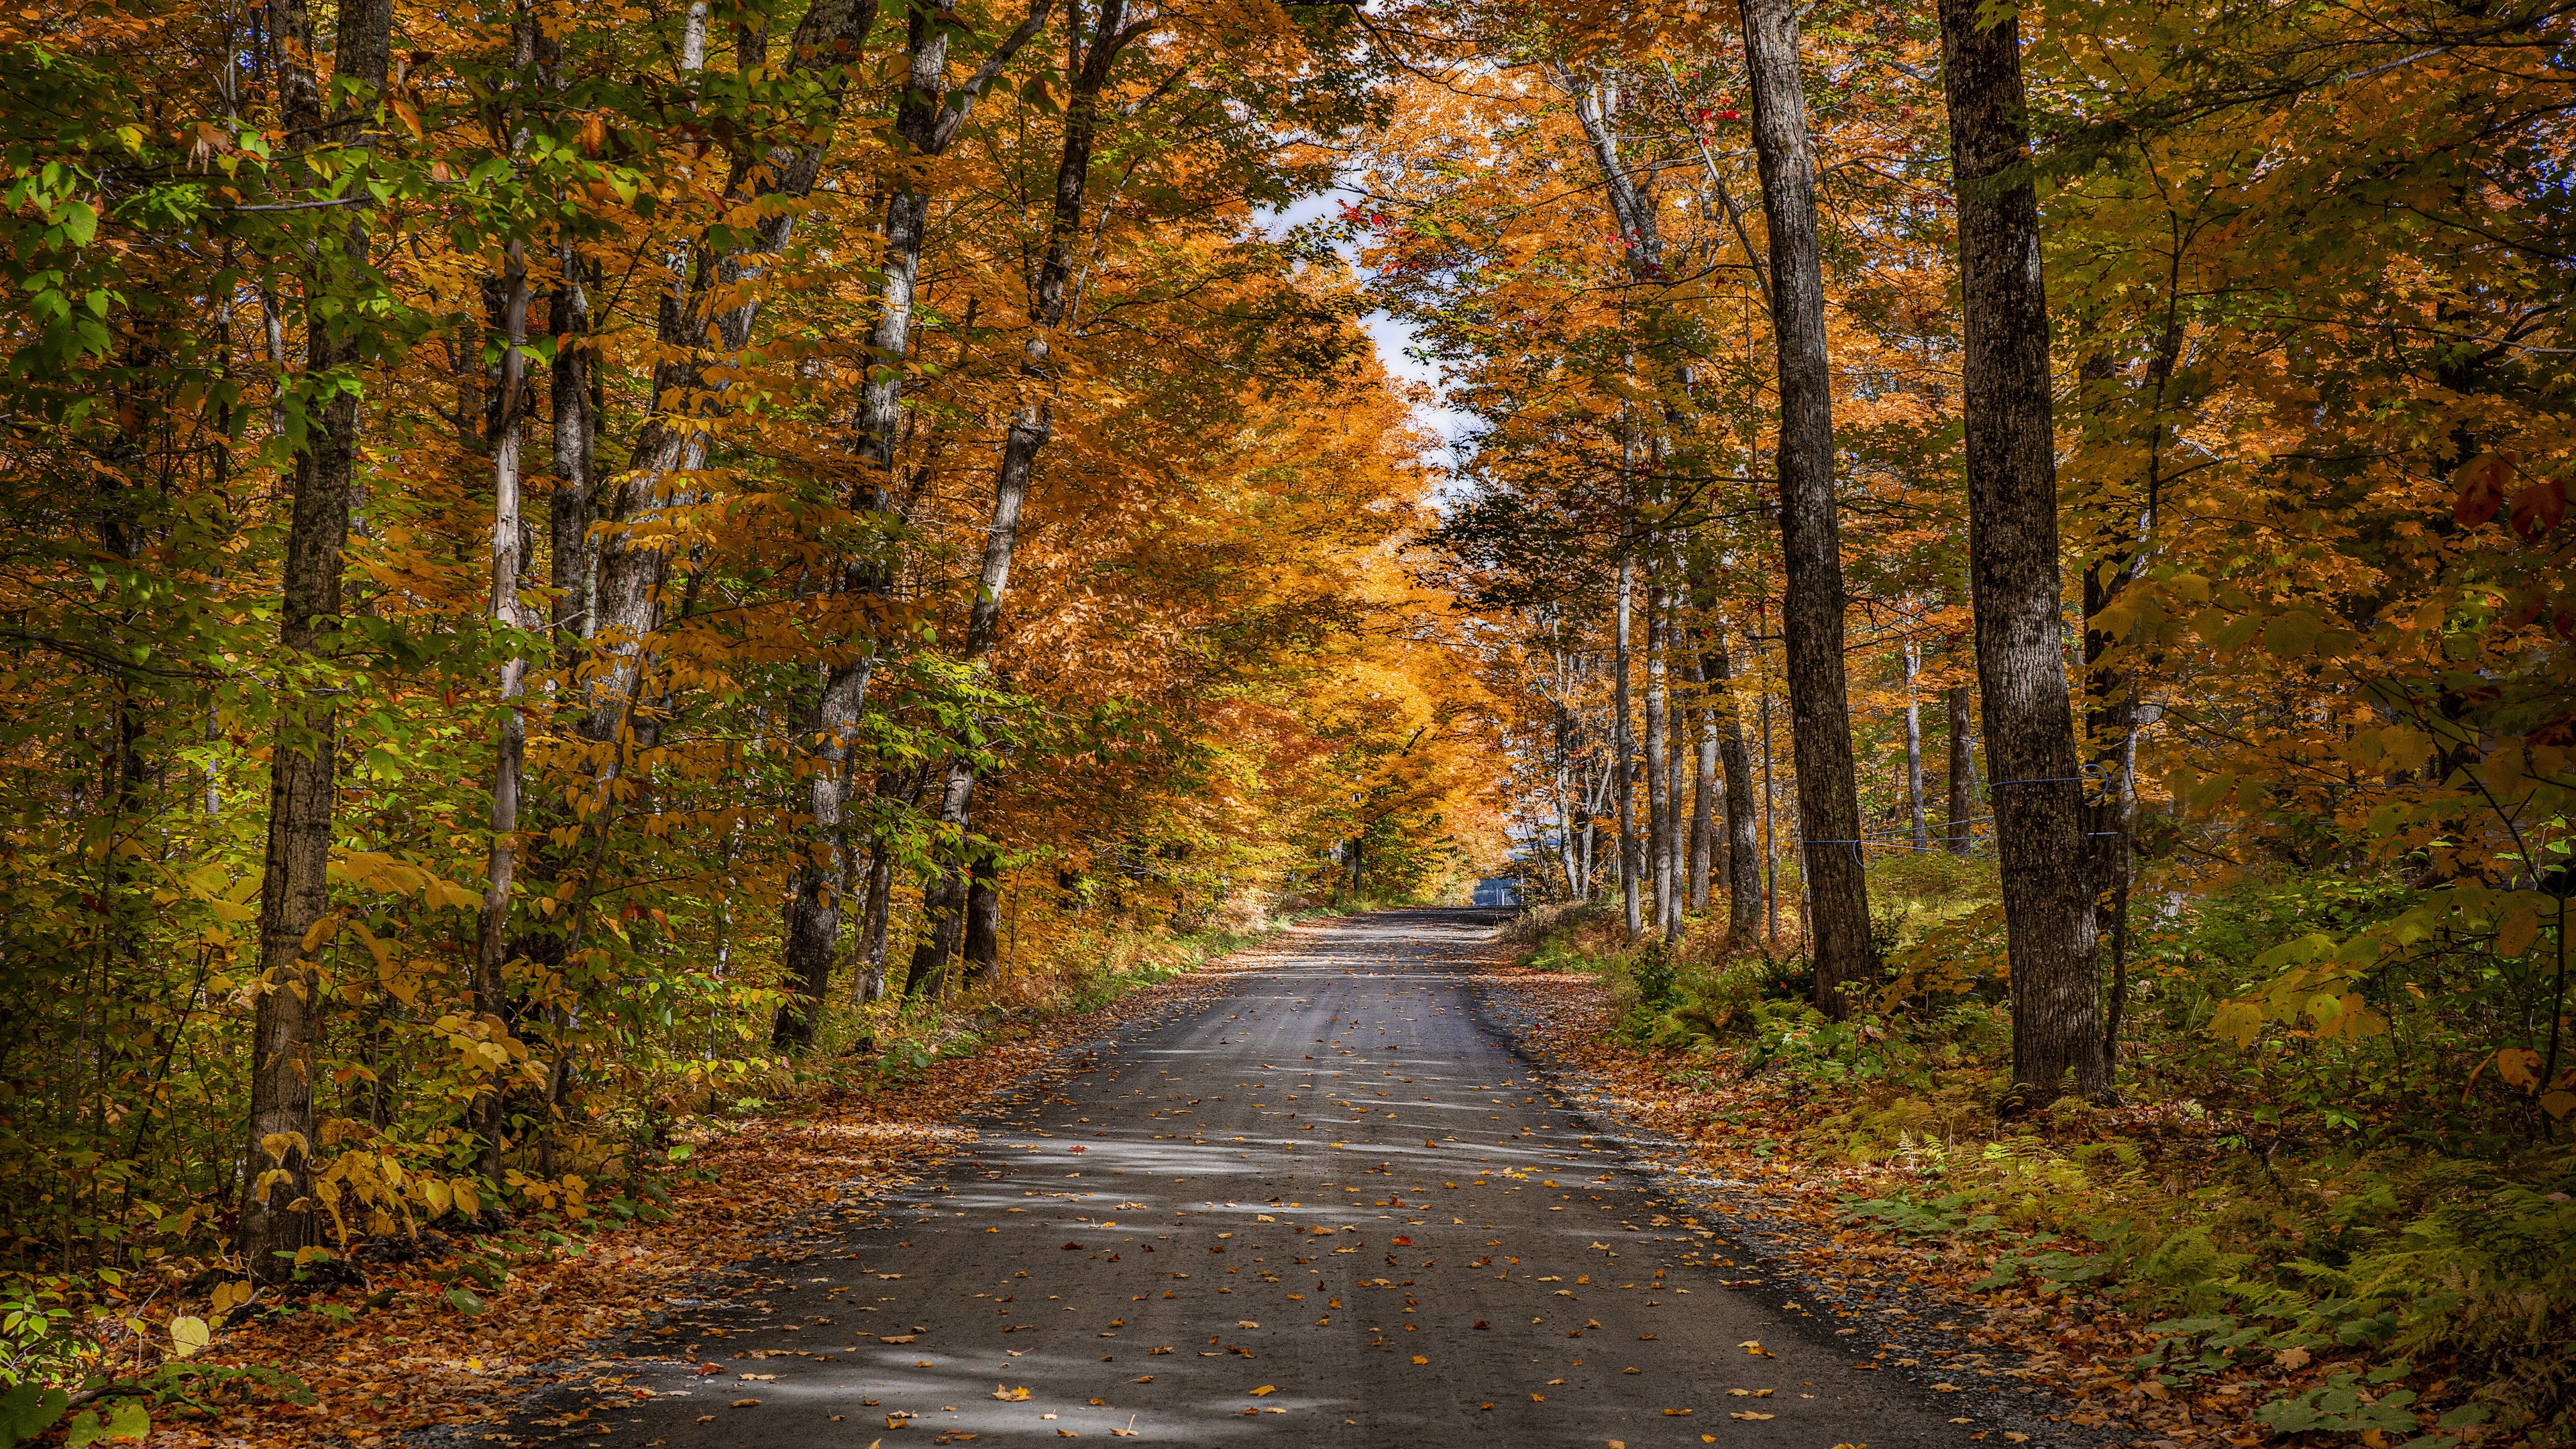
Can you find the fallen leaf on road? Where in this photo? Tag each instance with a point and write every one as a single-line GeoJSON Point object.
{"type": "Point", "coordinates": [1751, 1416]}
{"type": "Point", "coordinates": [745, 1403]}
{"type": "Point", "coordinates": [1000, 1392]}
{"type": "Point", "coordinates": [1754, 1347]}
{"type": "Point", "coordinates": [1417, 1358]}
{"type": "Point", "coordinates": [1265, 1389]}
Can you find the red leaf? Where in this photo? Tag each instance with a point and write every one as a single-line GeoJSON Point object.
{"type": "Point", "coordinates": [2481, 481]}
{"type": "Point", "coordinates": [2538, 509]}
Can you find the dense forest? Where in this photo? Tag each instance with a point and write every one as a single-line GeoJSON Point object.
{"type": "Point", "coordinates": [2002, 573]}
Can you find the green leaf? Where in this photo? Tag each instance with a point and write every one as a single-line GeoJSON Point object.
{"type": "Point", "coordinates": [28, 1410]}
{"type": "Point", "coordinates": [126, 1419]}
{"type": "Point", "coordinates": [464, 1301]}
{"type": "Point", "coordinates": [78, 222]}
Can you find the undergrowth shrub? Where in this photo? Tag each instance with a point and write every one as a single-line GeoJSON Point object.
{"type": "Point", "coordinates": [2376, 1203]}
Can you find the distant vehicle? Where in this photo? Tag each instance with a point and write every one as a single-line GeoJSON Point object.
{"type": "Point", "coordinates": [1498, 890]}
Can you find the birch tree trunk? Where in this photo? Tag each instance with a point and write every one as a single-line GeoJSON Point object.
{"type": "Point", "coordinates": [1810, 531]}
{"type": "Point", "coordinates": [1914, 753]}
{"type": "Point", "coordinates": [576, 432]}
{"type": "Point", "coordinates": [1623, 751]}
{"type": "Point", "coordinates": [2013, 563]}
{"type": "Point", "coordinates": [1032, 426]}
{"type": "Point", "coordinates": [1705, 790]}
{"type": "Point", "coordinates": [654, 495]}
{"type": "Point", "coordinates": [492, 950]}
{"type": "Point", "coordinates": [929, 116]}
{"type": "Point", "coordinates": [278, 1217]}
{"type": "Point", "coordinates": [1659, 803]}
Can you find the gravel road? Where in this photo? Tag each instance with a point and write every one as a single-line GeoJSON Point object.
{"type": "Point", "coordinates": [1333, 1207]}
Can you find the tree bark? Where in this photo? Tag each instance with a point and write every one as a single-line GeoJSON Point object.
{"type": "Point", "coordinates": [634, 557]}
{"type": "Point", "coordinates": [492, 950]}
{"type": "Point", "coordinates": [2013, 567]}
{"type": "Point", "coordinates": [1810, 531]}
{"type": "Point", "coordinates": [576, 432]}
{"type": "Point", "coordinates": [1032, 426]}
{"type": "Point", "coordinates": [872, 932]}
{"type": "Point", "coordinates": [1914, 754]}
{"type": "Point", "coordinates": [1705, 790]}
{"type": "Point", "coordinates": [1962, 773]}
{"type": "Point", "coordinates": [1659, 803]}
{"type": "Point", "coordinates": [928, 118]}
{"type": "Point", "coordinates": [1623, 778]}
{"type": "Point", "coordinates": [1743, 846]}
{"type": "Point", "coordinates": [278, 1217]}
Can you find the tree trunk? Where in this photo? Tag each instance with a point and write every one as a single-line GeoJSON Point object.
{"type": "Point", "coordinates": [278, 1216]}
{"type": "Point", "coordinates": [813, 927]}
{"type": "Point", "coordinates": [1659, 802]}
{"type": "Point", "coordinates": [576, 434]}
{"type": "Point", "coordinates": [2013, 567]}
{"type": "Point", "coordinates": [1576, 888]}
{"type": "Point", "coordinates": [1704, 789]}
{"type": "Point", "coordinates": [872, 932]}
{"type": "Point", "coordinates": [492, 950]}
{"type": "Point", "coordinates": [929, 120]}
{"type": "Point", "coordinates": [1622, 750]}
{"type": "Point", "coordinates": [1770, 834]}
{"type": "Point", "coordinates": [634, 558]}
{"type": "Point", "coordinates": [1742, 846]}
{"type": "Point", "coordinates": [1810, 532]}
{"type": "Point", "coordinates": [1676, 826]}
{"type": "Point", "coordinates": [983, 948]}
{"type": "Point", "coordinates": [1963, 774]}
{"type": "Point", "coordinates": [1914, 754]}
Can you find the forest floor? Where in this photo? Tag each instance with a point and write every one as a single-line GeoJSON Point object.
{"type": "Point", "coordinates": [1132, 1224]}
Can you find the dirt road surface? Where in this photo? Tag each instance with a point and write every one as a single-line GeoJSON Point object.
{"type": "Point", "coordinates": [1333, 1207]}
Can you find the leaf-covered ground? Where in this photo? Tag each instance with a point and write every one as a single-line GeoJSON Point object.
{"type": "Point", "coordinates": [420, 1360]}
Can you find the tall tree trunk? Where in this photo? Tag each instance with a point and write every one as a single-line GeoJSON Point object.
{"type": "Point", "coordinates": [872, 931]}
{"type": "Point", "coordinates": [278, 1216]}
{"type": "Point", "coordinates": [1623, 751]}
{"type": "Point", "coordinates": [576, 433]}
{"type": "Point", "coordinates": [813, 926]}
{"type": "Point", "coordinates": [2013, 567]}
{"type": "Point", "coordinates": [1659, 802]}
{"type": "Point", "coordinates": [1743, 848]}
{"type": "Point", "coordinates": [1704, 843]}
{"type": "Point", "coordinates": [1914, 753]}
{"type": "Point", "coordinates": [710, 291]}
{"type": "Point", "coordinates": [1676, 826]}
{"type": "Point", "coordinates": [1576, 888]}
{"type": "Point", "coordinates": [492, 951]}
{"type": "Point", "coordinates": [1810, 531]}
{"type": "Point", "coordinates": [1770, 834]}
{"type": "Point", "coordinates": [1032, 426]}
{"type": "Point", "coordinates": [982, 950]}
{"type": "Point", "coordinates": [1962, 772]}
{"type": "Point", "coordinates": [2111, 705]}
